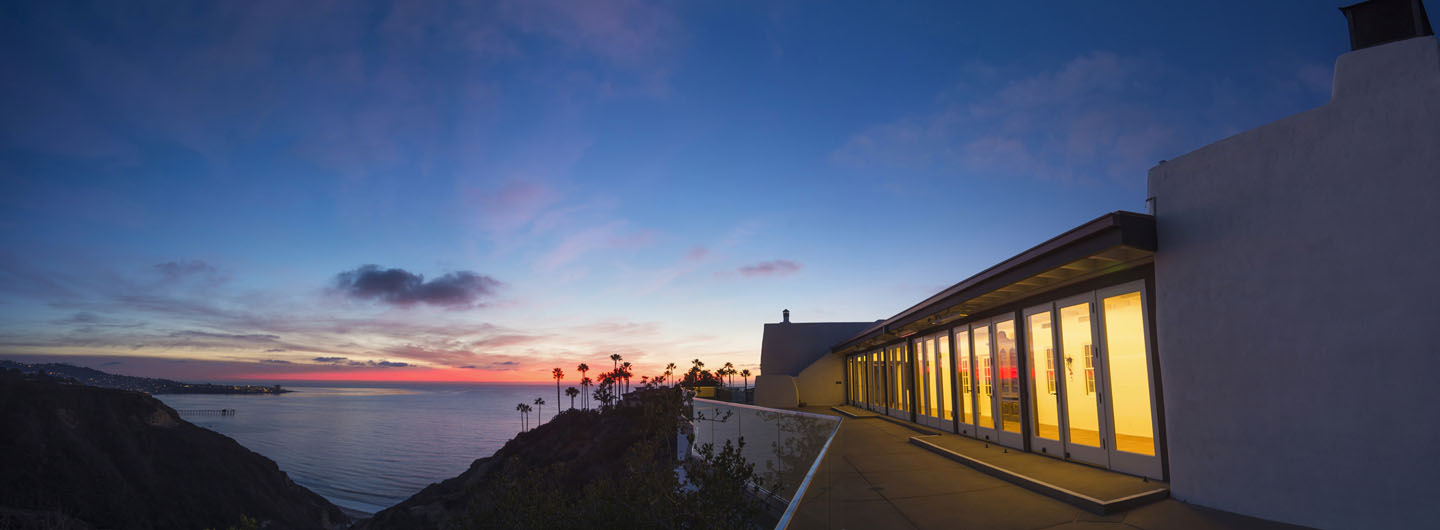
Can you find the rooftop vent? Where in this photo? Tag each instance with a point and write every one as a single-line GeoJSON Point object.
{"type": "Point", "coordinates": [1376, 22]}
{"type": "Point", "coordinates": [785, 316]}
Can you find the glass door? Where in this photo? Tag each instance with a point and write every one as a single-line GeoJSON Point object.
{"type": "Point", "coordinates": [1007, 379]}
{"type": "Point", "coordinates": [964, 383]}
{"type": "Point", "coordinates": [899, 380]}
{"type": "Point", "coordinates": [1079, 380]}
{"type": "Point", "coordinates": [924, 399]}
{"type": "Point", "coordinates": [944, 383]}
{"type": "Point", "coordinates": [1129, 380]}
{"type": "Point", "coordinates": [984, 382]}
{"type": "Point", "coordinates": [1045, 421]}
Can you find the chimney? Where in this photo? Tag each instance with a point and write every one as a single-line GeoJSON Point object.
{"type": "Point", "coordinates": [1376, 22]}
{"type": "Point", "coordinates": [1394, 50]}
{"type": "Point", "coordinates": [785, 316]}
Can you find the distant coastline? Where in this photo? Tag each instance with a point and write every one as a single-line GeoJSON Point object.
{"type": "Point", "coordinates": [148, 385]}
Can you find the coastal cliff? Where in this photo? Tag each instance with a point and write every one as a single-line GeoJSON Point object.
{"type": "Point", "coordinates": [120, 459]}
{"type": "Point", "coordinates": [579, 448]}
{"type": "Point", "coordinates": [613, 468]}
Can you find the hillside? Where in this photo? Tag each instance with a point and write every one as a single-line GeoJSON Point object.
{"type": "Point", "coordinates": [120, 459]}
{"type": "Point", "coordinates": [148, 385]}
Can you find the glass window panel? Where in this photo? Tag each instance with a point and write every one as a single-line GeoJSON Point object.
{"type": "Point", "coordinates": [1128, 372]}
{"type": "Point", "coordinates": [1007, 368]}
{"type": "Point", "coordinates": [984, 390]}
{"type": "Point", "coordinates": [962, 371]}
{"type": "Point", "coordinates": [932, 405]}
{"type": "Point", "coordinates": [902, 384]}
{"type": "Point", "coordinates": [921, 369]}
{"type": "Point", "coordinates": [1045, 410]}
{"type": "Point", "coordinates": [1076, 354]}
{"type": "Point", "coordinates": [942, 367]}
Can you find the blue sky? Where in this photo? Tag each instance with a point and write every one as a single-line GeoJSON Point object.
{"type": "Point", "coordinates": [196, 189]}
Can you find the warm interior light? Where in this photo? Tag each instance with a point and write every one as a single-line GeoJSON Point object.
{"type": "Point", "coordinates": [1128, 372]}
{"type": "Point", "coordinates": [1082, 409]}
{"type": "Point", "coordinates": [1045, 407]}
{"type": "Point", "coordinates": [983, 377]}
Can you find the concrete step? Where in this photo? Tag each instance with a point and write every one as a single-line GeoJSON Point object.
{"type": "Point", "coordinates": [1092, 489]}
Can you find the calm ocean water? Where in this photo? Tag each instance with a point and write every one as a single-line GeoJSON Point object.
{"type": "Point", "coordinates": [368, 448]}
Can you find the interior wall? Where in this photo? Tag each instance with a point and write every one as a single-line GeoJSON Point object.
{"type": "Point", "coordinates": [1296, 282]}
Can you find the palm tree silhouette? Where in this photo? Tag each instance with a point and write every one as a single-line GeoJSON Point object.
{"type": "Point", "coordinates": [626, 373]}
{"type": "Point", "coordinates": [583, 368]}
{"type": "Point", "coordinates": [521, 407]}
{"type": "Point", "coordinates": [746, 374]}
{"type": "Point", "coordinates": [669, 370]}
{"type": "Point", "coordinates": [557, 373]}
{"type": "Point", "coordinates": [584, 394]}
{"type": "Point", "coordinates": [615, 358]}
{"type": "Point", "coordinates": [572, 392]}
{"type": "Point", "coordinates": [729, 369]}
{"type": "Point", "coordinates": [540, 402]}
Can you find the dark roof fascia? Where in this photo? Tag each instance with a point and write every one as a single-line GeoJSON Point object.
{"type": "Point", "coordinates": [1130, 229]}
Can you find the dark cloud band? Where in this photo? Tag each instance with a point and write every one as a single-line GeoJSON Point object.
{"type": "Point", "coordinates": [403, 288]}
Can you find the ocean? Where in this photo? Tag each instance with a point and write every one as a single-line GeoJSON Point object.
{"type": "Point", "coordinates": [369, 447]}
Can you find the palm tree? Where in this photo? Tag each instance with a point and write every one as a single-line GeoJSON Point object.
{"type": "Point", "coordinates": [540, 402]}
{"type": "Point", "coordinates": [521, 407]}
{"type": "Point", "coordinates": [583, 368]}
{"type": "Point", "coordinates": [572, 392]}
{"type": "Point", "coordinates": [746, 374]}
{"type": "Point", "coordinates": [584, 394]}
{"type": "Point", "coordinates": [625, 373]}
{"type": "Point", "coordinates": [669, 370]}
{"type": "Point", "coordinates": [729, 369]}
{"type": "Point", "coordinates": [615, 358]}
{"type": "Point", "coordinates": [557, 373]}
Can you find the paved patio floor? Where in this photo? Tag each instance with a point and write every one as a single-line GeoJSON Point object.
{"type": "Point", "coordinates": [872, 477]}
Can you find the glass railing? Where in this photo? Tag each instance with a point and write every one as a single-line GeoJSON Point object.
{"type": "Point", "coordinates": [785, 446]}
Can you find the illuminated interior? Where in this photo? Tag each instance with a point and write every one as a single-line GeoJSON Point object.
{"type": "Point", "coordinates": [1087, 381]}
{"type": "Point", "coordinates": [1128, 373]}
{"type": "Point", "coordinates": [877, 381]}
{"type": "Point", "coordinates": [1007, 373]}
{"type": "Point", "coordinates": [924, 399]}
{"type": "Point", "coordinates": [942, 367]}
{"type": "Point", "coordinates": [962, 369]}
{"type": "Point", "coordinates": [1043, 389]}
{"type": "Point", "coordinates": [1076, 352]}
{"type": "Point", "coordinates": [983, 380]}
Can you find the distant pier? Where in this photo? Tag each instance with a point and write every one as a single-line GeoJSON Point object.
{"type": "Point", "coordinates": [206, 412]}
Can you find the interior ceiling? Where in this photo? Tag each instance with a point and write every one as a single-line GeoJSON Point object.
{"type": "Point", "coordinates": [1099, 264]}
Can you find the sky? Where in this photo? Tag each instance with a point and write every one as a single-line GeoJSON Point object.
{"type": "Point", "coordinates": [482, 191]}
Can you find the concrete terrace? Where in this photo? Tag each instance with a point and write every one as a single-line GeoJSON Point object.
{"type": "Point", "coordinates": [873, 476]}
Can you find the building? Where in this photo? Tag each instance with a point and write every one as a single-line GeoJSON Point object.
{"type": "Point", "coordinates": [1266, 339]}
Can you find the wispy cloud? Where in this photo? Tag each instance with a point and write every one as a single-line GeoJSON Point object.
{"type": "Point", "coordinates": [611, 235]}
{"type": "Point", "coordinates": [779, 267]}
{"type": "Point", "coordinates": [1090, 119]}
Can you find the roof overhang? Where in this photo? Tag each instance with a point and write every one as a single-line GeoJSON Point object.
{"type": "Point", "coordinates": [1109, 244]}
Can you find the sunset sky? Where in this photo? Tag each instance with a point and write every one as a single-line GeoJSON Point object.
{"type": "Point", "coordinates": [456, 191]}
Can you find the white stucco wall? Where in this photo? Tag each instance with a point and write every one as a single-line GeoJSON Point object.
{"type": "Point", "coordinates": [776, 391]}
{"type": "Point", "coordinates": [817, 383]}
{"type": "Point", "coordinates": [1298, 305]}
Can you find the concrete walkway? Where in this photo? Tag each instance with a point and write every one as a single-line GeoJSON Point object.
{"type": "Point", "coordinates": [873, 477]}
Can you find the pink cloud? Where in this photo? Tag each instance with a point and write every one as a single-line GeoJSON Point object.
{"type": "Point", "coordinates": [512, 206]}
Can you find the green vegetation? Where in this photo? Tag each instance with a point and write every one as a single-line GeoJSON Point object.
{"type": "Point", "coordinates": [644, 488]}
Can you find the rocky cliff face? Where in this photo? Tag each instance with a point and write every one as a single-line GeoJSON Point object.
{"type": "Point", "coordinates": [120, 459]}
